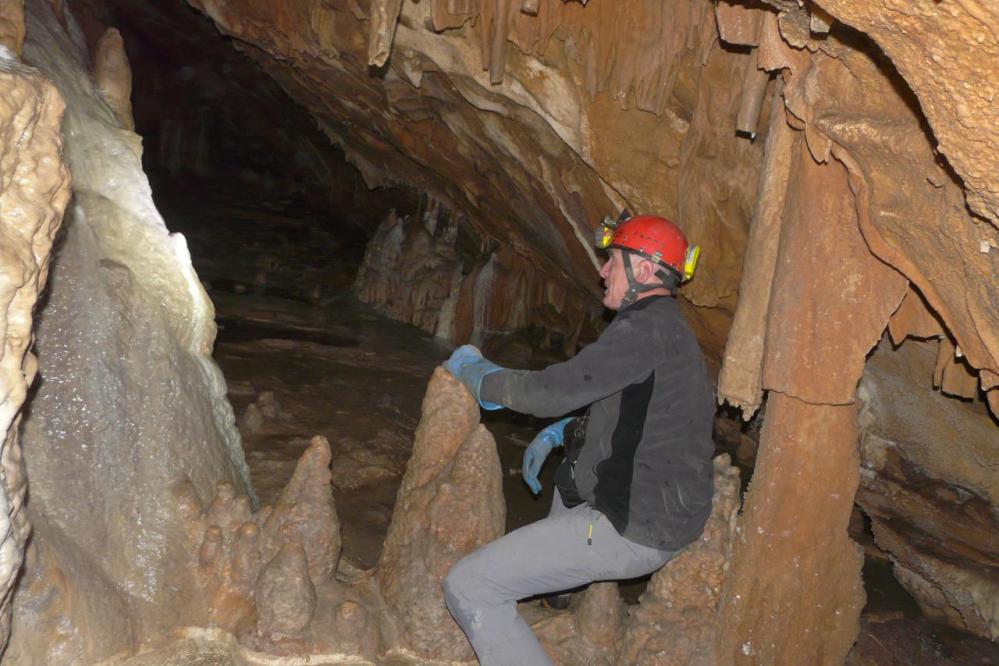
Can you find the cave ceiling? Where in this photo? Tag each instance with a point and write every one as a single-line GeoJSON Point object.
{"type": "Point", "coordinates": [534, 126]}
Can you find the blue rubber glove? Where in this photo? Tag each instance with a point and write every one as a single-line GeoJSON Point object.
{"type": "Point", "coordinates": [539, 449]}
{"type": "Point", "coordinates": [468, 366]}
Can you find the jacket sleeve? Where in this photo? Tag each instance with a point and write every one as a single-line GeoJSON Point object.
{"type": "Point", "coordinates": [620, 357]}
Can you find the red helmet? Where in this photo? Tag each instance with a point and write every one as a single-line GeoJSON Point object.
{"type": "Point", "coordinates": [654, 238]}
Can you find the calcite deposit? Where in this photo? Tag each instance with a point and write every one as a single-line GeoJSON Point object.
{"type": "Point", "coordinates": [430, 270]}
{"type": "Point", "coordinates": [33, 195]}
{"type": "Point", "coordinates": [928, 482]}
{"type": "Point", "coordinates": [130, 400]}
{"type": "Point", "coordinates": [450, 503]}
{"type": "Point", "coordinates": [113, 76]}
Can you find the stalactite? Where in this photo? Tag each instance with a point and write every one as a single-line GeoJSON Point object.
{"type": "Point", "coordinates": [754, 88]}
{"type": "Point", "coordinates": [740, 379]}
{"type": "Point", "coordinates": [384, 17]}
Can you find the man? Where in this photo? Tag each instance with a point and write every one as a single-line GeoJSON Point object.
{"type": "Point", "coordinates": [635, 484]}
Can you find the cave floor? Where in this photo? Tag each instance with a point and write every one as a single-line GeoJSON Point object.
{"type": "Point", "coordinates": [357, 378]}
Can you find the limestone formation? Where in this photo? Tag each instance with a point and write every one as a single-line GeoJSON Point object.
{"type": "Point", "coordinates": [956, 84]}
{"type": "Point", "coordinates": [262, 568]}
{"type": "Point", "coordinates": [928, 484]}
{"type": "Point", "coordinates": [522, 117]}
{"type": "Point", "coordinates": [675, 621]}
{"type": "Point", "coordinates": [12, 25]}
{"type": "Point", "coordinates": [33, 195]}
{"type": "Point", "coordinates": [450, 502]}
{"type": "Point", "coordinates": [420, 271]}
{"type": "Point", "coordinates": [286, 597]}
{"type": "Point", "coordinates": [113, 76]}
{"type": "Point", "coordinates": [130, 400]}
{"type": "Point", "coordinates": [836, 159]}
{"type": "Point", "coordinates": [856, 214]}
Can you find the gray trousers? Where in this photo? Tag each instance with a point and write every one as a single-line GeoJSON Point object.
{"type": "Point", "coordinates": [554, 554]}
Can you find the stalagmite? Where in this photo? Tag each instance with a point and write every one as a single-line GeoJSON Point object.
{"type": "Point", "coordinates": [286, 597]}
{"type": "Point", "coordinates": [450, 502]}
{"type": "Point", "coordinates": [676, 617]}
{"type": "Point", "coordinates": [113, 76]}
{"type": "Point", "coordinates": [34, 194]}
{"type": "Point", "coordinates": [131, 401]}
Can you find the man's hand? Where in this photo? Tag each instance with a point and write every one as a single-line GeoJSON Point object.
{"type": "Point", "coordinates": [469, 367]}
{"type": "Point", "coordinates": [538, 451]}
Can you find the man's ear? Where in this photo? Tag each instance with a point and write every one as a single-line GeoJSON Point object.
{"type": "Point", "coordinates": [644, 271]}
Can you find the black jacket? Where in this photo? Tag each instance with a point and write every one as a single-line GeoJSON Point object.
{"type": "Point", "coordinates": [645, 460]}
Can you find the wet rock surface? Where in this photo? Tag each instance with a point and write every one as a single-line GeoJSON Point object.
{"type": "Point", "coordinates": [450, 503]}
{"type": "Point", "coordinates": [32, 199]}
{"type": "Point", "coordinates": [929, 486]}
{"type": "Point", "coordinates": [130, 400]}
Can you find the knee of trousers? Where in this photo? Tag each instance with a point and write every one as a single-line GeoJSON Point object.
{"type": "Point", "coordinates": [466, 587]}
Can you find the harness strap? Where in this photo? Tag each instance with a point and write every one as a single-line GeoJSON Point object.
{"type": "Point", "coordinates": [668, 279]}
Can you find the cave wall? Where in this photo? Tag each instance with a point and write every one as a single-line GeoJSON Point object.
{"type": "Point", "coordinates": [129, 401]}
{"type": "Point", "coordinates": [33, 195]}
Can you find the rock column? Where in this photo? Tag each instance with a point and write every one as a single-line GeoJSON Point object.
{"type": "Point", "coordinates": [794, 593]}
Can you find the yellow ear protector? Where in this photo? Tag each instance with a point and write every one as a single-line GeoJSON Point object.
{"type": "Point", "coordinates": [690, 261]}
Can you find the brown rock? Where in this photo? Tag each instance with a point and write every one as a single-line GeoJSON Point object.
{"type": "Point", "coordinates": [600, 613]}
{"type": "Point", "coordinates": [450, 502]}
{"type": "Point", "coordinates": [742, 370]}
{"type": "Point", "coordinates": [34, 195]}
{"type": "Point", "coordinates": [676, 618]}
{"type": "Point", "coordinates": [822, 323]}
{"type": "Point", "coordinates": [282, 553]}
{"type": "Point", "coordinates": [794, 569]}
{"type": "Point", "coordinates": [930, 489]}
{"type": "Point", "coordinates": [955, 84]}
{"type": "Point", "coordinates": [305, 512]}
{"type": "Point", "coordinates": [12, 25]}
{"type": "Point", "coordinates": [285, 596]}
{"type": "Point", "coordinates": [113, 75]}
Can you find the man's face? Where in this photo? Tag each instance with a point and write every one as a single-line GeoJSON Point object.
{"type": "Point", "coordinates": [615, 280]}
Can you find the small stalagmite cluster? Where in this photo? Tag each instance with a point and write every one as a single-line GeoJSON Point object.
{"type": "Point", "coordinates": [267, 578]}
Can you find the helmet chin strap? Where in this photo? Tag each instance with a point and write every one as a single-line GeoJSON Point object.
{"type": "Point", "coordinates": [667, 281]}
